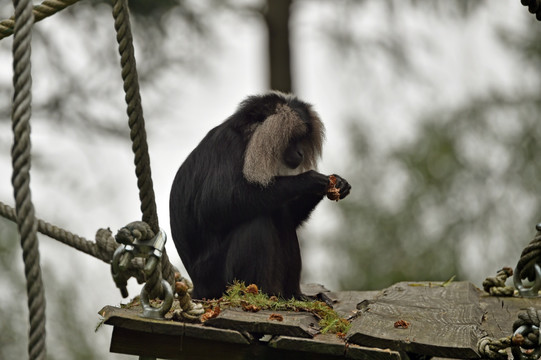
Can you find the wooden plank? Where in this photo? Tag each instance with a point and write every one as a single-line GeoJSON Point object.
{"type": "Point", "coordinates": [502, 312]}
{"type": "Point", "coordinates": [331, 345]}
{"type": "Point", "coordinates": [325, 347]}
{"type": "Point", "coordinates": [313, 290]}
{"type": "Point", "coordinates": [131, 320]}
{"type": "Point", "coordinates": [445, 322]}
{"type": "Point", "coordinates": [164, 346]}
{"type": "Point", "coordinates": [346, 303]}
{"type": "Point", "coordinates": [321, 344]}
{"type": "Point", "coordinates": [441, 321]}
{"type": "Point", "coordinates": [297, 324]}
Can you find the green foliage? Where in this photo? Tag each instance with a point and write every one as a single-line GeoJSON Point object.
{"type": "Point", "coordinates": [251, 299]}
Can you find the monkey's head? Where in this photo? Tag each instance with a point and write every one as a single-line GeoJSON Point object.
{"type": "Point", "coordinates": [284, 137]}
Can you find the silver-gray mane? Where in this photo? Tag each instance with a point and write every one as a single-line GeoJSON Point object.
{"type": "Point", "coordinates": [263, 159]}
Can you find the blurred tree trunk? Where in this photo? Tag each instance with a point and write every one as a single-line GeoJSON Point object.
{"type": "Point", "coordinates": [277, 21]}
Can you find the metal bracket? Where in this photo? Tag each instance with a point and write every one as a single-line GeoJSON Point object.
{"type": "Point", "coordinates": [524, 330]}
{"type": "Point", "coordinates": [532, 290]}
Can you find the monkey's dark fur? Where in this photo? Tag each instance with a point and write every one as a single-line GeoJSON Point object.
{"type": "Point", "coordinates": [238, 199]}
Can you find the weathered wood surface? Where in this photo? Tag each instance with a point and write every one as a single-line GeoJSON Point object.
{"type": "Point", "coordinates": [439, 320]}
{"type": "Point", "coordinates": [297, 324]}
{"type": "Point", "coordinates": [131, 320]}
{"type": "Point", "coordinates": [443, 321]}
{"type": "Point", "coordinates": [346, 303]}
{"type": "Point", "coordinates": [501, 312]}
{"type": "Point", "coordinates": [330, 345]}
{"type": "Point", "coordinates": [167, 346]}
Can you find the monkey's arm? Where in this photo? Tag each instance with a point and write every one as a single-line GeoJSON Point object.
{"type": "Point", "coordinates": [248, 201]}
{"type": "Point", "coordinates": [302, 206]}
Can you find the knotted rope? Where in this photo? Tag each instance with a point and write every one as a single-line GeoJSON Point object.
{"type": "Point", "coordinates": [139, 230]}
{"type": "Point", "coordinates": [490, 348]}
{"type": "Point", "coordinates": [495, 286]}
{"type": "Point", "coordinates": [531, 317]}
{"type": "Point", "coordinates": [20, 154]}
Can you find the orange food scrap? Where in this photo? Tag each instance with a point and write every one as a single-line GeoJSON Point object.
{"type": "Point", "coordinates": [333, 193]}
{"type": "Point", "coordinates": [276, 317]}
{"type": "Point", "coordinates": [252, 289]}
{"type": "Point", "coordinates": [402, 324]}
{"type": "Point", "coordinates": [210, 314]}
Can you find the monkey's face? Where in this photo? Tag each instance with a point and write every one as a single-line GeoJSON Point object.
{"type": "Point", "coordinates": [292, 160]}
{"type": "Point", "coordinates": [287, 142]}
{"type": "Point", "coordinates": [293, 155]}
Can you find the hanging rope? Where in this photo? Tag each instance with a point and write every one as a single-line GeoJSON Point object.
{"type": "Point", "coordinates": [41, 11]}
{"type": "Point", "coordinates": [20, 154]}
{"type": "Point", "coordinates": [105, 246]}
{"type": "Point", "coordinates": [135, 114]}
{"type": "Point", "coordinates": [138, 135]}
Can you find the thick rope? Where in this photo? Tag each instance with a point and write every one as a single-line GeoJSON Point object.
{"type": "Point", "coordinates": [531, 317]}
{"type": "Point", "coordinates": [102, 249]}
{"type": "Point", "coordinates": [495, 286]}
{"type": "Point", "coordinates": [135, 114]}
{"type": "Point", "coordinates": [531, 254]}
{"type": "Point", "coordinates": [41, 11]}
{"type": "Point", "coordinates": [490, 348]}
{"type": "Point", "coordinates": [138, 134]}
{"type": "Point", "coordinates": [20, 154]}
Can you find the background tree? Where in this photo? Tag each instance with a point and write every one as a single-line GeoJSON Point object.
{"type": "Point", "coordinates": [459, 197]}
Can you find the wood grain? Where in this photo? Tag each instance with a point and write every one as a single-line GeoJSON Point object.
{"type": "Point", "coordinates": [443, 321]}
{"type": "Point", "coordinates": [297, 324]}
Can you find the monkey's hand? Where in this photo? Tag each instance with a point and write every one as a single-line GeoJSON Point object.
{"type": "Point", "coordinates": [338, 188]}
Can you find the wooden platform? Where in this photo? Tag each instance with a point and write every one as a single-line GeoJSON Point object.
{"type": "Point", "coordinates": [414, 318]}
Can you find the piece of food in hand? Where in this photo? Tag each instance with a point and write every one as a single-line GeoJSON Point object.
{"type": "Point", "coordinates": [333, 193]}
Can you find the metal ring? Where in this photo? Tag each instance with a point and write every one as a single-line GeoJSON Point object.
{"type": "Point", "coordinates": [528, 291]}
{"type": "Point", "coordinates": [119, 277]}
{"type": "Point", "coordinates": [524, 330]}
{"type": "Point", "coordinates": [159, 312]}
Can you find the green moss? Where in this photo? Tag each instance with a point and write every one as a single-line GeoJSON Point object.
{"type": "Point", "coordinates": [249, 298]}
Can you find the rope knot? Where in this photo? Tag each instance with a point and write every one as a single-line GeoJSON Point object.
{"type": "Point", "coordinates": [491, 348]}
{"type": "Point", "coordinates": [106, 244]}
{"type": "Point", "coordinates": [495, 286]}
{"type": "Point", "coordinates": [137, 230]}
{"type": "Point", "coordinates": [189, 311]}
